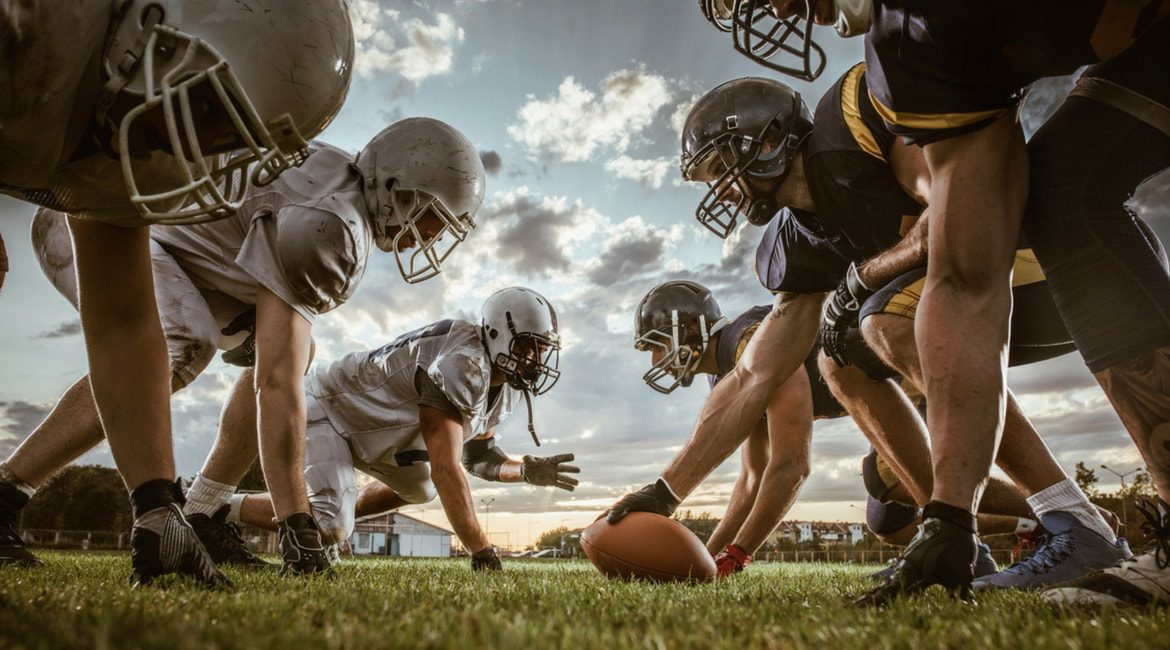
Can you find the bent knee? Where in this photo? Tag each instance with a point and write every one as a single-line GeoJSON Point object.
{"type": "Point", "coordinates": [418, 494]}
{"type": "Point", "coordinates": [189, 355]}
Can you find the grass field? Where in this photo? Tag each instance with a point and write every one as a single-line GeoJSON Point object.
{"type": "Point", "coordinates": [83, 600]}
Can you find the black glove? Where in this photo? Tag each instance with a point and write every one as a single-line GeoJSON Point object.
{"type": "Point", "coordinates": [841, 314]}
{"type": "Point", "coordinates": [656, 497]}
{"type": "Point", "coordinates": [244, 354]}
{"type": "Point", "coordinates": [486, 560]}
{"type": "Point", "coordinates": [550, 471]}
{"type": "Point", "coordinates": [300, 544]}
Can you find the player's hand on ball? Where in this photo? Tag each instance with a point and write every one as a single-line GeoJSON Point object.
{"type": "Point", "coordinates": [486, 560]}
{"type": "Point", "coordinates": [841, 313]}
{"type": "Point", "coordinates": [551, 471]}
{"type": "Point", "coordinates": [656, 497]}
{"type": "Point", "coordinates": [732, 559]}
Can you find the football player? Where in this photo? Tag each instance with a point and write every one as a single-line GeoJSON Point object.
{"type": "Point", "coordinates": [680, 323]}
{"type": "Point", "coordinates": [947, 77]}
{"type": "Point", "coordinates": [851, 198]}
{"type": "Point", "coordinates": [117, 112]}
{"type": "Point", "coordinates": [416, 412]}
{"type": "Point", "coordinates": [253, 284]}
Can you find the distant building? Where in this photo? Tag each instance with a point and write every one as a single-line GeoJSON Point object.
{"type": "Point", "coordinates": [807, 532]}
{"type": "Point", "coordinates": [399, 535]}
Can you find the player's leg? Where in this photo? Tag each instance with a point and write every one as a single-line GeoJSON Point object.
{"type": "Point", "coordinates": [1108, 270]}
{"type": "Point", "coordinates": [376, 498]}
{"type": "Point", "coordinates": [131, 383]}
{"type": "Point", "coordinates": [73, 426]}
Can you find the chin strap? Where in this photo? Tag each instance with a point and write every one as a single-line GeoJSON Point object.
{"type": "Point", "coordinates": [531, 427]}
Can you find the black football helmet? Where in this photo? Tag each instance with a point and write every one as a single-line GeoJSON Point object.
{"type": "Point", "coordinates": [784, 43]}
{"type": "Point", "coordinates": [743, 135]}
{"type": "Point", "coordinates": [677, 317]}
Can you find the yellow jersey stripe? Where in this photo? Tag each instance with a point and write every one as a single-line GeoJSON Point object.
{"type": "Point", "coordinates": [852, 112]}
{"type": "Point", "coordinates": [934, 120]}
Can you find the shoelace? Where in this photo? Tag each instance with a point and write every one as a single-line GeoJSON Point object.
{"type": "Point", "coordinates": [1054, 550]}
{"type": "Point", "coordinates": [231, 538]}
{"type": "Point", "coordinates": [1157, 527]}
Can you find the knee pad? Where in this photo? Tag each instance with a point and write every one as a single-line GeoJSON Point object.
{"type": "Point", "coordinates": [1139, 389]}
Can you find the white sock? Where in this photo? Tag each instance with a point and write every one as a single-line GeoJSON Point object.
{"type": "Point", "coordinates": [8, 477]}
{"type": "Point", "coordinates": [235, 503]}
{"type": "Point", "coordinates": [1025, 526]}
{"type": "Point", "coordinates": [207, 496]}
{"type": "Point", "coordinates": [1067, 496]}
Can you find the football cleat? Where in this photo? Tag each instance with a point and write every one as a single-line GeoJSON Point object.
{"type": "Point", "coordinates": [1140, 580]}
{"type": "Point", "coordinates": [300, 544]}
{"type": "Point", "coordinates": [984, 563]}
{"type": "Point", "coordinates": [1028, 542]}
{"type": "Point", "coordinates": [12, 549]}
{"type": "Point", "coordinates": [162, 542]}
{"type": "Point", "coordinates": [943, 553]}
{"type": "Point", "coordinates": [1067, 553]}
{"type": "Point", "coordinates": [223, 540]}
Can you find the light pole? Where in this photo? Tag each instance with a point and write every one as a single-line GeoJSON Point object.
{"type": "Point", "coordinates": [487, 504]}
{"type": "Point", "coordinates": [1121, 493]}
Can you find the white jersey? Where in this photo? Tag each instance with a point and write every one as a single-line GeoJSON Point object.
{"type": "Point", "coordinates": [305, 237]}
{"type": "Point", "coordinates": [371, 400]}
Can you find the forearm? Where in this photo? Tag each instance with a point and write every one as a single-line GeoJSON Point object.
{"type": "Point", "coordinates": [909, 253]}
{"type": "Point", "coordinates": [281, 423]}
{"type": "Point", "coordinates": [742, 497]}
{"type": "Point", "coordinates": [455, 495]}
{"type": "Point", "coordinates": [740, 399]}
{"type": "Point", "coordinates": [778, 491]}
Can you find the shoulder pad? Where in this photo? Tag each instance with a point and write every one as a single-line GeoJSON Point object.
{"type": "Point", "coordinates": [461, 369]}
{"type": "Point", "coordinates": [790, 258]}
{"type": "Point", "coordinates": [321, 255]}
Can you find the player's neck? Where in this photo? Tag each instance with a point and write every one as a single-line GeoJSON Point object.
{"type": "Point", "coordinates": [709, 362]}
{"type": "Point", "coordinates": [793, 192]}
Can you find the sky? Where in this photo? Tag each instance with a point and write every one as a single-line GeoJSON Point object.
{"type": "Point", "coordinates": [576, 109]}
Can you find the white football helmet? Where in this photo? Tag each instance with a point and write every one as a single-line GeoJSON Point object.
{"type": "Point", "coordinates": [523, 342]}
{"type": "Point", "coordinates": [197, 78]}
{"type": "Point", "coordinates": [415, 168]}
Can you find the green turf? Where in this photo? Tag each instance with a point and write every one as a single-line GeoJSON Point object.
{"type": "Point", "coordinates": [83, 600]}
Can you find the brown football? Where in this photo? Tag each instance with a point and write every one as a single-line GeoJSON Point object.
{"type": "Point", "coordinates": [647, 546]}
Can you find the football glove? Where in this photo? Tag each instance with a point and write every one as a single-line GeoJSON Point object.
{"type": "Point", "coordinates": [486, 560]}
{"type": "Point", "coordinates": [732, 559]}
{"type": "Point", "coordinates": [550, 471]}
{"type": "Point", "coordinates": [244, 354]}
{"type": "Point", "coordinates": [841, 313]}
{"type": "Point", "coordinates": [656, 497]}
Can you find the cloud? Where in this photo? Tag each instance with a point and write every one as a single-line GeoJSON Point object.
{"type": "Point", "coordinates": [575, 124]}
{"type": "Point", "coordinates": [678, 118]}
{"type": "Point", "coordinates": [492, 163]}
{"type": "Point", "coordinates": [632, 248]}
{"type": "Point", "coordinates": [647, 173]}
{"type": "Point", "coordinates": [430, 48]}
{"type": "Point", "coordinates": [21, 417]}
{"type": "Point", "coordinates": [69, 328]}
{"type": "Point", "coordinates": [533, 233]}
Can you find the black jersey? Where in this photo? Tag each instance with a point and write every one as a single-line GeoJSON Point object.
{"type": "Point", "coordinates": [941, 68]}
{"type": "Point", "coordinates": [734, 339]}
{"type": "Point", "coordinates": [861, 210]}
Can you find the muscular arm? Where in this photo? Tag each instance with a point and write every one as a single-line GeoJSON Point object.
{"type": "Point", "coordinates": [740, 399]}
{"type": "Point", "coordinates": [909, 253]}
{"type": "Point", "coordinates": [753, 459]}
{"type": "Point", "coordinates": [443, 437]}
{"type": "Point", "coordinates": [283, 341]}
{"type": "Point", "coordinates": [790, 419]}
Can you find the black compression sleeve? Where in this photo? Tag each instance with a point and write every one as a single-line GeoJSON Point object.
{"type": "Point", "coordinates": [484, 459]}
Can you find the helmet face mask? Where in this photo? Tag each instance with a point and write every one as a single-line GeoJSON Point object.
{"type": "Point", "coordinates": [190, 83]}
{"type": "Point", "coordinates": [399, 229]}
{"type": "Point", "coordinates": [531, 362]}
{"type": "Point", "coordinates": [679, 356]}
{"type": "Point", "coordinates": [785, 44]}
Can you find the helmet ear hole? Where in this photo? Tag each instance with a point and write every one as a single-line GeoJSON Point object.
{"type": "Point", "coordinates": [390, 183]}
{"type": "Point", "coordinates": [493, 333]}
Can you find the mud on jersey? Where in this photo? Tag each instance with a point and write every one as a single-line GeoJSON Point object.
{"type": "Point", "coordinates": [371, 398]}
{"type": "Point", "coordinates": [941, 68]}
{"type": "Point", "coordinates": [734, 339]}
{"type": "Point", "coordinates": [305, 237]}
